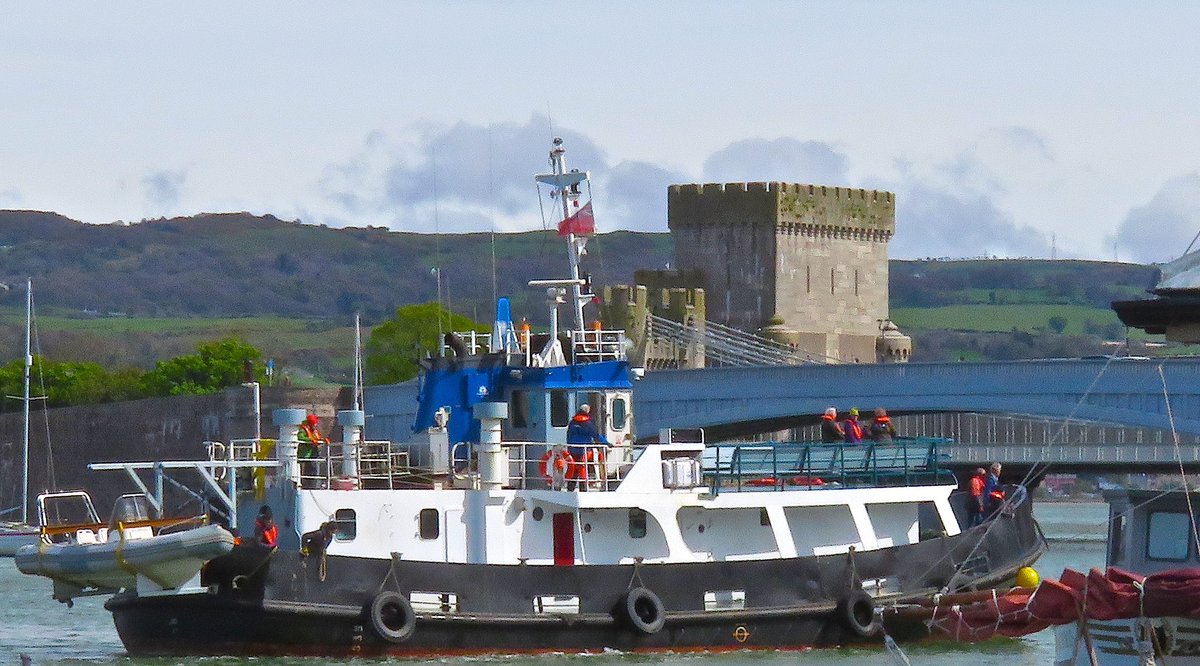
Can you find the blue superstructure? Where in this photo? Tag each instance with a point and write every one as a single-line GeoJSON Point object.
{"type": "Point", "coordinates": [538, 398]}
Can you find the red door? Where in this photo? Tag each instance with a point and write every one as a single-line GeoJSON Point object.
{"type": "Point", "coordinates": [564, 539]}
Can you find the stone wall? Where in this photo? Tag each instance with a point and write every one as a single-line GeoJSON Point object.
{"type": "Point", "coordinates": [726, 232]}
{"type": "Point", "coordinates": [139, 430]}
{"type": "Point", "coordinates": [627, 307]}
{"type": "Point", "coordinates": [810, 255]}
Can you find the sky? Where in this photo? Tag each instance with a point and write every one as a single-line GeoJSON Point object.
{"type": "Point", "coordinates": [1005, 129]}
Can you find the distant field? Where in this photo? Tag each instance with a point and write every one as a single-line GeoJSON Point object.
{"type": "Point", "coordinates": [263, 332]}
{"type": "Point", "coordinates": [1026, 317]}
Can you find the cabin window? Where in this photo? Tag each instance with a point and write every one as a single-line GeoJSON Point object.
{"type": "Point", "coordinates": [560, 411]}
{"type": "Point", "coordinates": [345, 525]}
{"type": "Point", "coordinates": [620, 415]}
{"type": "Point", "coordinates": [1116, 540]}
{"type": "Point", "coordinates": [518, 409]}
{"type": "Point", "coordinates": [637, 523]}
{"type": "Point", "coordinates": [764, 520]}
{"type": "Point", "coordinates": [1167, 536]}
{"type": "Point", "coordinates": [430, 525]}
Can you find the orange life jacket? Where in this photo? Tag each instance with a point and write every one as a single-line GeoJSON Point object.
{"type": "Point", "coordinates": [267, 536]}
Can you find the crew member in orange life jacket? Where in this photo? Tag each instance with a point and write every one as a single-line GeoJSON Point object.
{"type": "Point", "coordinates": [309, 450]}
{"type": "Point", "coordinates": [852, 428]}
{"type": "Point", "coordinates": [881, 429]}
{"type": "Point", "coordinates": [266, 533]}
{"type": "Point", "coordinates": [581, 433]}
{"type": "Point", "coordinates": [831, 430]}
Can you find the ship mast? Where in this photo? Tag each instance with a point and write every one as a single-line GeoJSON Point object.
{"type": "Point", "coordinates": [25, 421]}
{"type": "Point", "coordinates": [565, 187]}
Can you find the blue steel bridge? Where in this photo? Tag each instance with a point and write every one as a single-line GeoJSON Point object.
{"type": "Point", "coordinates": [1077, 414]}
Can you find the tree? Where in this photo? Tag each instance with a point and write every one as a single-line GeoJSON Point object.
{"type": "Point", "coordinates": [214, 366]}
{"type": "Point", "coordinates": [65, 384]}
{"type": "Point", "coordinates": [397, 345]}
{"type": "Point", "coordinates": [1057, 323]}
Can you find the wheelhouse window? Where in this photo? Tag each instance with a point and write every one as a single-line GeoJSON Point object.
{"type": "Point", "coordinates": [518, 409]}
{"type": "Point", "coordinates": [345, 525]}
{"type": "Point", "coordinates": [1168, 536]}
{"type": "Point", "coordinates": [637, 523]}
{"type": "Point", "coordinates": [429, 524]}
{"type": "Point", "coordinates": [560, 410]}
{"type": "Point", "coordinates": [620, 414]}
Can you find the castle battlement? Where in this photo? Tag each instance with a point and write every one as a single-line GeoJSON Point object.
{"type": "Point", "coordinates": [817, 211]}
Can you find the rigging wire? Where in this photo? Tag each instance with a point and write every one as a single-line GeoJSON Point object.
{"type": "Point", "coordinates": [44, 397]}
{"type": "Point", "coordinates": [1025, 479]}
{"type": "Point", "coordinates": [492, 205]}
{"type": "Point", "coordinates": [437, 246]}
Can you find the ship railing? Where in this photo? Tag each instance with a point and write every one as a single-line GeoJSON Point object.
{"type": "Point", "coordinates": [815, 466]}
{"type": "Point", "coordinates": [588, 346]}
{"type": "Point", "coordinates": [379, 465]}
{"type": "Point", "coordinates": [595, 467]}
{"type": "Point", "coordinates": [597, 344]}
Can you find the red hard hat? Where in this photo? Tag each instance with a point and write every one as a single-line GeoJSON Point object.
{"type": "Point", "coordinates": [312, 419]}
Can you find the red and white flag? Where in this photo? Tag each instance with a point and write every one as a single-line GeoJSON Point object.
{"type": "Point", "coordinates": [582, 223]}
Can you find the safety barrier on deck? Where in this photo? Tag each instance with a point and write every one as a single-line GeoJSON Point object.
{"type": "Point", "coordinates": [810, 465]}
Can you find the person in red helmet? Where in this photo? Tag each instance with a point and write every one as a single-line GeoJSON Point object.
{"type": "Point", "coordinates": [309, 448]}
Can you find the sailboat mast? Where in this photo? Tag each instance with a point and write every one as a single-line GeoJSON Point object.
{"type": "Point", "coordinates": [25, 421]}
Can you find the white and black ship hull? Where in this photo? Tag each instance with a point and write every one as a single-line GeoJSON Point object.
{"type": "Point", "coordinates": [283, 603]}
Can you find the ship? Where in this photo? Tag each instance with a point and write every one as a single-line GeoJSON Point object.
{"type": "Point", "coordinates": [489, 532]}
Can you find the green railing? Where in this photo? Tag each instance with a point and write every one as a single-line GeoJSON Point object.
{"type": "Point", "coordinates": [811, 465]}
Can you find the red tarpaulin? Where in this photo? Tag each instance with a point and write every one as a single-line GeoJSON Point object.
{"type": "Point", "coordinates": [1099, 595]}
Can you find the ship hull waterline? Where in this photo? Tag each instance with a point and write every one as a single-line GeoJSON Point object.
{"type": "Point", "coordinates": [303, 606]}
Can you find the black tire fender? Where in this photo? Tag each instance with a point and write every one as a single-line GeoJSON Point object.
{"type": "Point", "coordinates": [643, 610]}
{"type": "Point", "coordinates": [857, 611]}
{"type": "Point", "coordinates": [392, 617]}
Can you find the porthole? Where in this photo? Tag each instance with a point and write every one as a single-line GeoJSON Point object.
{"type": "Point", "coordinates": [345, 525]}
{"type": "Point", "coordinates": [538, 513]}
{"type": "Point", "coordinates": [430, 526]}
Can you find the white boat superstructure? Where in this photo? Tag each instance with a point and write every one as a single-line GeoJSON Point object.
{"type": "Point", "coordinates": [1149, 532]}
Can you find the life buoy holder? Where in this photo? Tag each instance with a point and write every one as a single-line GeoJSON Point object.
{"type": "Point", "coordinates": [857, 611]}
{"type": "Point", "coordinates": [392, 617]}
{"type": "Point", "coordinates": [643, 610]}
{"type": "Point", "coordinates": [555, 465]}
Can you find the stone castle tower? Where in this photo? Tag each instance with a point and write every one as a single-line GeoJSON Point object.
{"type": "Point", "coordinates": [808, 261]}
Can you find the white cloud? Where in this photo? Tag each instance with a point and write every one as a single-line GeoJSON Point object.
{"type": "Point", "coordinates": [935, 222]}
{"type": "Point", "coordinates": [1161, 229]}
{"type": "Point", "coordinates": [468, 177]}
{"type": "Point", "coordinates": [785, 159]}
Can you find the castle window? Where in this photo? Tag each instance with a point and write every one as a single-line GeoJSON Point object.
{"type": "Point", "coordinates": [831, 280]}
{"type": "Point", "coordinates": [808, 279]}
{"type": "Point", "coordinates": [856, 282]}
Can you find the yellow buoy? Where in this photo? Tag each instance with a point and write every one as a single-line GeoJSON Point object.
{"type": "Point", "coordinates": [1027, 578]}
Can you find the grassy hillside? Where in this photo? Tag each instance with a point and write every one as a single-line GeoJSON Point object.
{"type": "Point", "coordinates": [1029, 317]}
{"type": "Point", "coordinates": [130, 294]}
